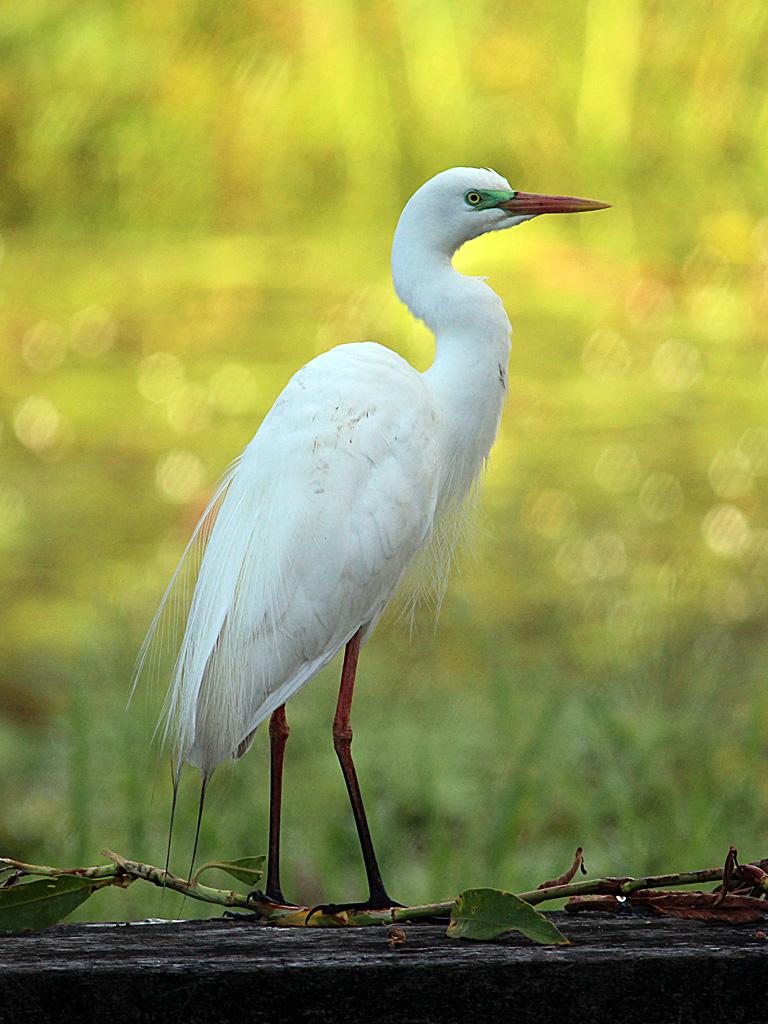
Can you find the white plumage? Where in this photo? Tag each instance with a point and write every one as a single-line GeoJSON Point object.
{"type": "Point", "coordinates": [361, 462]}
{"type": "Point", "coordinates": [327, 504]}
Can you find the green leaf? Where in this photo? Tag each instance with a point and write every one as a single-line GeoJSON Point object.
{"type": "Point", "coordinates": [33, 905]}
{"type": "Point", "coordinates": [484, 914]}
{"type": "Point", "coordinates": [245, 869]}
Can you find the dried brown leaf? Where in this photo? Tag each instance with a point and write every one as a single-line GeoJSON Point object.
{"type": "Point", "coordinates": [703, 906]}
{"type": "Point", "coordinates": [567, 876]}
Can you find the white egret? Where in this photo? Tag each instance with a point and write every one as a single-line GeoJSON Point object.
{"type": "Point", "coordinates": [349, 476]}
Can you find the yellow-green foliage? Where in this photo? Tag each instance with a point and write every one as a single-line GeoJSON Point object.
{"type": "Point", "coordinates": [197, 197]}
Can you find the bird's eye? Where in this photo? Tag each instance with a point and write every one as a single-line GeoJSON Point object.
{"type": "Point", "coordinates": [473, 198]}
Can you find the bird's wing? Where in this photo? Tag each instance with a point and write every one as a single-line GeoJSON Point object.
{"type": "Point", "coordinates": [313, 530]}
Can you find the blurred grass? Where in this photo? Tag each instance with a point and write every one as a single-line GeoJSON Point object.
{"type": "Point", "coordinates": [196, 198]}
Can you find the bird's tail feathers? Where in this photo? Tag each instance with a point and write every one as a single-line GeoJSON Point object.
{"type": "Point", "coordinates": [233, 612]}
{"type": "Point", "coordinates": [167, 626]}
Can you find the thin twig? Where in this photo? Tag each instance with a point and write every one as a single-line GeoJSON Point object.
{"type": "Point", "coordinates": [99, 871]}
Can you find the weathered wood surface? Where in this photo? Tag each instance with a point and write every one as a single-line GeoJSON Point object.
{"type": "Point", "coordinates": [617, 970]}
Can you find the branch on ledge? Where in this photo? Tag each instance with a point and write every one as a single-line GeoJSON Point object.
{"type": "Point", "coordinates": [475, 913]}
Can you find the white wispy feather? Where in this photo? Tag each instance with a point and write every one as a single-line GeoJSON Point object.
{"type": "Point", "coordinates": [426, 580]}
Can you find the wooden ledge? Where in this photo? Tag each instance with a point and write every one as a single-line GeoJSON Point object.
{"type": "Point", "coordinates": [642, 970]}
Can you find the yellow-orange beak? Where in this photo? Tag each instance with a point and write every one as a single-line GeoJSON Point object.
{"type": "Point", "coordinates": [531, 204]}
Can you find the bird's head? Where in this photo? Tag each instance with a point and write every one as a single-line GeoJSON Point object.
{"type": "Point", "coordinates": [465, 202]}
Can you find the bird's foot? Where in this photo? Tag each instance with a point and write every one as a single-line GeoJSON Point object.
{"type": "Point", "coordinates": [273, 897]}
{"type": "Point", "coordinates": [376, 901]}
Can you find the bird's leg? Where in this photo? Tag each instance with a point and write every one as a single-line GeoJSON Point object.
{"type": "Point", "coordinates": [342, 743]}
{"type": "Point", "coordinates": [278, 736]}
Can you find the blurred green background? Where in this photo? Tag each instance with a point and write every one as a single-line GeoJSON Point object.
{"type": "Point", "coordinates": [197, 197]}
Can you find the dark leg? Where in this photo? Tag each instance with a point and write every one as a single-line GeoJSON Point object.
{"type": "Point", "coordinates": [342, 743]}
{"type": "Point", "coordinates": [278, 735]}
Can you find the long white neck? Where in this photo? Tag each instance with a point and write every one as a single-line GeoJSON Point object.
{"type": "Point", "coordinates": [468, 378]}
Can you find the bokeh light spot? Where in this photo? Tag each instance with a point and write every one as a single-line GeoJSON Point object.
{"type": "Point", "coordinates": [40, 426]}
{"type": "Point", "coordinates": [94, 331]}
{"type": "Point", "coordinates": [600, 557]}
{"type": "Point", "coordinates": [754, 556]}
{"type": "Point", "coordinates": [754, 444]}
{"type": "Point", "coordinates": [160, 376]}
{"type": "Point", "coordinates": [179, 476]}
{"type": "Point", "coordinates": [733, 600]}
{"type": "Point", "coordinates": [647, 300]}
{"type": "Point", "coordinates": [604, 556]}
{"type": "Point", "coordinates": [676, 365]}
{"type": "Point", "coordinates": [722, 314]}
{"type": "Point", "coordinates": [233, 390]}
{"type": "Point", "coordinates": [730, 473]}
{"type": "Point", "coordinates": [661, 497]}
{"type": "Point", "coordinates": [569, 560]}
{"type": "Point", "coordinates": [44, 347]}
{"type": "Point", "coordinates": [188, 411]}
{"type": "Point", "coordinates": [726, 530]}
{"type": "Point", "coordinates": [548, 512]}
{"type": "Point", "coordinates": [605, 355]}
